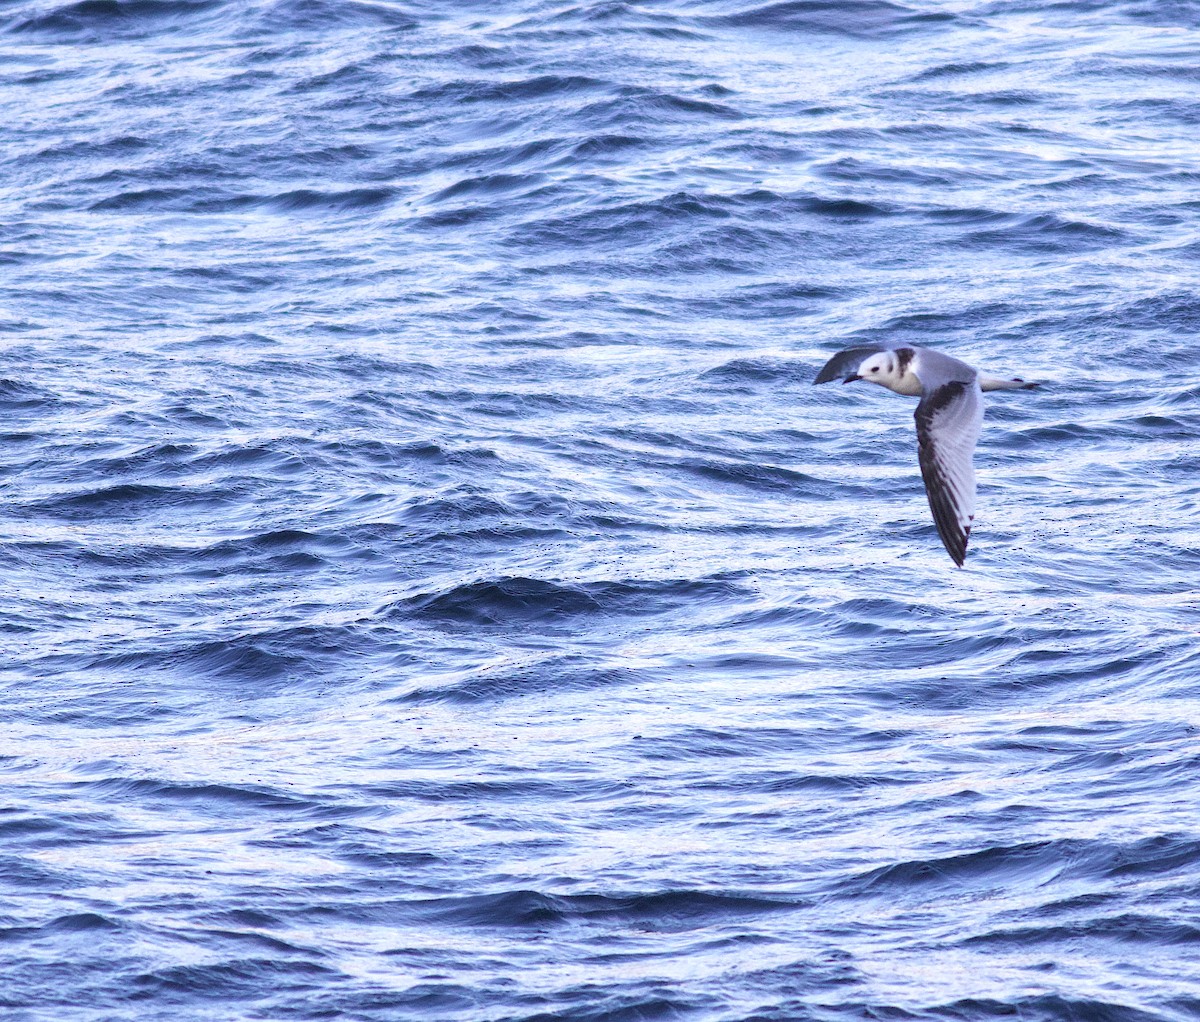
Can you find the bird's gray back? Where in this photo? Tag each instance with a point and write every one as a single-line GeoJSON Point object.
{"type": "Point", "coordinates": [935, 369]}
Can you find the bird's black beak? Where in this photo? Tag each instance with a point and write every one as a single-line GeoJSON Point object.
{"type": "Point", "coordinates": [851, 379]}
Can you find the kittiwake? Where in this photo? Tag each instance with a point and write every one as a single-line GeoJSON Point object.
{"type": "Point", "coordinates": [949, 416]}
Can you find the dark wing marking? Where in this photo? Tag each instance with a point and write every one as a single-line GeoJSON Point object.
{"type": "Point", "coordinates": [948, 422]}
{"type": "Point", "coordinates": [845, 362]}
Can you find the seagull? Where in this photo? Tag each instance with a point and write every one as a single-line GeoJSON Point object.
{"type": "Point", "coordinates": [949, 416]}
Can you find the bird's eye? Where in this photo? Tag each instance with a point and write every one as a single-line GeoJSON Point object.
{"type": "Point", "coordinates": [875, 369]}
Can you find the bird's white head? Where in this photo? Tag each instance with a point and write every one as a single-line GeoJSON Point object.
{"type": "Point", "coordinates": [891, 369]}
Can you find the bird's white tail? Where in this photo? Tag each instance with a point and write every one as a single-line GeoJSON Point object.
{"type": "Point", "coordinates": [991, 383]}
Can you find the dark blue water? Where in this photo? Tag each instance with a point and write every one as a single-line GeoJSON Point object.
{"type": "Point", "coordinates": [434, 590]}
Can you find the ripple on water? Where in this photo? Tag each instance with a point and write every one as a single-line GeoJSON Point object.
{"type": "Point", "coordinates": [436, 589]}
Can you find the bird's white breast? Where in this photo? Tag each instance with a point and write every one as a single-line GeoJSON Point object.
{"type": "Point", "coordinates": [909, 384]}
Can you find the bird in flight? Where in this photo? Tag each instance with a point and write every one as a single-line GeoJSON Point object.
{"type": "Point", "coordinates": [949, 416]}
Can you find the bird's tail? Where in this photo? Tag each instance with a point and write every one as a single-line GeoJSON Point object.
{"type": "Point", "coordinates": [991, 383]}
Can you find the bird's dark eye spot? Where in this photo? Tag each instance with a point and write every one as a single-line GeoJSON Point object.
{"type": "Point", "coordinates": [875, 369]}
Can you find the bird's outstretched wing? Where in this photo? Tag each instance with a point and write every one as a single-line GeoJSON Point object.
{"type": "Point", "coordinates": [845, 362]}
{"type": "Point", "coordinates": [949, 418]}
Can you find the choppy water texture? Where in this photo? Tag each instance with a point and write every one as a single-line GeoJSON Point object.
{"type": "Point", "coordinates": [434, 590]}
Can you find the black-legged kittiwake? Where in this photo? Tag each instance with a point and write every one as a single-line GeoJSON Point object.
{"type": "Point", "coordinates": [949, 416]}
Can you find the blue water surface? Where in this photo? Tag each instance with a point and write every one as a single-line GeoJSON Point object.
{"type": "Point", "coordinates": [434, 590]}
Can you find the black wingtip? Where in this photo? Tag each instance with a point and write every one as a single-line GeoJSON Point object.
{"type": "Point", "coordinates": [828, 373]}
{"type": "Point", "coordinates": [958, 553]}
{"type": "Point", "coordinates": [845, 361]}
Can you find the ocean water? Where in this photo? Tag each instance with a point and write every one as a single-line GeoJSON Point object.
{"type": "Point", "coordinates": [434, 589]}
